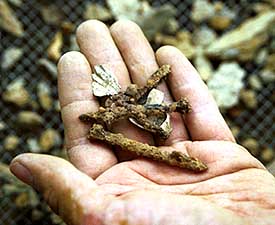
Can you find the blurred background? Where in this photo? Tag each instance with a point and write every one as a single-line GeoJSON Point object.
{"type": "Point", "coordinates": [231, 43]}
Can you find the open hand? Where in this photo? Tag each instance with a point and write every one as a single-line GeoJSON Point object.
{"type": "Point", "coordinates": [99, 188]}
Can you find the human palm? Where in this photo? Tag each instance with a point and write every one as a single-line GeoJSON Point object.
{"type": "Point", "coordinates": [110, 188]}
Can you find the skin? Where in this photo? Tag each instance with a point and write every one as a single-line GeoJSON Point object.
{"type": "Point", "coordinates": [96, 187]}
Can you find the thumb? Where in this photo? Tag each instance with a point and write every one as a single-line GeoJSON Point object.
{"type": "Point", "coordinates": [70, 193]}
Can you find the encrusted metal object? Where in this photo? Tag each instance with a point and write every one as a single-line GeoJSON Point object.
{"type": "Point", "coordinates": [144, 107]}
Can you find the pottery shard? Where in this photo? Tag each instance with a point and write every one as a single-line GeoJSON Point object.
{"type": "Point", "coordinates": [249, 98]}
{"type": "Point", "coordinates": [242, 42]}
{"type": "Point", "coordinates": [29, 119]}
{"type": "Point", "coordinates": [226, 83]}
{"type": "Point", "coordinates": [182, 41]}
{"type": "Point", "coordinates": [96, 11]}
{"type": "Point", "coordinates": [9, 21]}
{"type": "Point", "coordinates": [16, 93]}
{"type": "Point", "coordinates": [44, 95]}
{"type": "Point", "coordinates": [202, 10]}
{"type": "Point", "coordinates": [49, 139]}
{"type": "Point", "coordinates": [104, 82]}
{"type": "Point", "coordinates": [52, 14]}
{"type": "Point", "coordinates": [11, 142]}
{"type": "Point", "coordinates": [55, 47]}
{"type": "Point", "coordinates": [11, 56]}
{"type": "Point", "coordinates": [49, 67]}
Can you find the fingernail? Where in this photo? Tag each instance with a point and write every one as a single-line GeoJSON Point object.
{"type": "Point", "coordinates": [22, 173]}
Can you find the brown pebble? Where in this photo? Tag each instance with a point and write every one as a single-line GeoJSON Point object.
{"type": "Point", "coordinates": [54, 49]}
{"type": "Point", "coordinates": [251, 145]}
{"type": "Point", "coordinates": [235, 131]}
{"type": "Point", "coordinates": [11, 142]}
{"type": "Point", "coordinates": [49, 139]}
{"type": "Point", "coordinates": [220, 22]}
{"type": "Point", "coordinates": [249, 98]}
{"type": "Point", "coordinates": [29, 119]}
{"type": "Point", "coordinates": [267, 154]}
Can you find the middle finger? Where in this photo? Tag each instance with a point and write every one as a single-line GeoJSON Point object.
{"type": "Point", "coordinates": [141, 62]}
{"type": "Point", "coordinates": [96, 43]}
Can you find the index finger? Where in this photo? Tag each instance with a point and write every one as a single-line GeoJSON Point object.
{"type": "Point", "coordinates": [205, 122]}
{"type": "Point", "coordinates": [76, 98]}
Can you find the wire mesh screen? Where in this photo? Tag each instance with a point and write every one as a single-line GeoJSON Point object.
{"type": "Point", "coordinates": [258, 123]}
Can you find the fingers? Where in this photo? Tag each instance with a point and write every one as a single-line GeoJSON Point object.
{"type": "Point", "coordinates": [69, 192]}
{"type": "Point", "coordinates": [76, 98]}
{"type": "Point", "coordinates": [141, 63]}
{"type": "Point", "coordinates": [205, 121]}
{"type": "Point", "coordinates": [96, 43]}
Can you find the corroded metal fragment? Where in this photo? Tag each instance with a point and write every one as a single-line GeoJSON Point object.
{"type": "Point", "coordinates": [174, 158]}
{"type": "Point", "coordinates": [144, 106]}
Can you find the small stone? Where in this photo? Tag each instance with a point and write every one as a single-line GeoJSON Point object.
{"type": "Point", "coordinates": [11, 142]}
{"type": "Point", "coordinates": [44, 95]}
{"type": "Point", "coordinates": [11, 56]}
{"type": "Point", "coordinates": [226, 83]}
{"type": "Point", "coordinates": [67, 27]}
{"type": "Point", "coordinates": [29, 120]}
{"type": "Point", "coordinates": [204, 66]}
{"type": "Point", "coordinates": [152, 20]}
{"type": "Point", "coordinates": [156, 20]}
{"type": "Point", "coordinates": [202, 10]}
{"type": "Point", "coordinates": [34, 105]}
{"type": "Point", "coordinates": [270, 63]}
{"type": "Point", "coordinates": [33, 145]}
{"type": "Point", "coordinates": [249, 98]}
{"type": "Point", "coordinates": [220, 22]}
{"type": "Point", "coordinates": [267, 76]}
{"type": "Point", "coordinates": [37, 215]}
{"type": "Point", "coordinates": [243, 42]}
{"type": "Point", "coordinates": [204, 36]}
{"type": "Point", "coordinates": [222, 18]}
{"type": "Point", "coordinates": [22, 200]}
{"type": "Point", "coordinates": [260, 7]}
{"type": "Point", "coordinates": [16, 3]}
{"type": "Point", "coordinates": [2, 126]}
{"type": "Point", "coordinates": [235, 131]}
{"type": "Point", "coordinates": [255, 82]}
{"type": "Point", "coordinates": [122, 9]}
{"type": "Point", "coordinates": [261, 56]}
{"type": "Point", "coordinates": [57, 106]}
{"type": "Point", "coordinates": [234, 111]}
{"type": "Point", "coordinates": [182, 41]}
{"type": "Point", "coordinates": [96, 11]}
{"type": "Point", "coordinates": [9, 21]}
{"type": "Point", "coordinates": [55, 219]}
{"type": "Point", "coordinates": [52, 14]}
{"type": "Point", "coordinates": [267, 154]}
{"type": "Point", "coordinates": [251, 145]}
{"type": "Point", "coordinates": [16, 93]}
{"type": "Point", "coordinates": [172, 26]}
{"type": "Point", "coordinates": [55, 47]}
{"type": "Point", "coordinates": [49, 67]}
{"type": "Point", "coordinates": [49, 139]}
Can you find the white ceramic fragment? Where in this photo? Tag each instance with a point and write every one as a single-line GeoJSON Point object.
{"type": "Point", "coordinates": [104, 82]}
{"type": "Point", "coordinates": [166, 125]}
{"type": "Point", "coordinates": [155, 97]}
